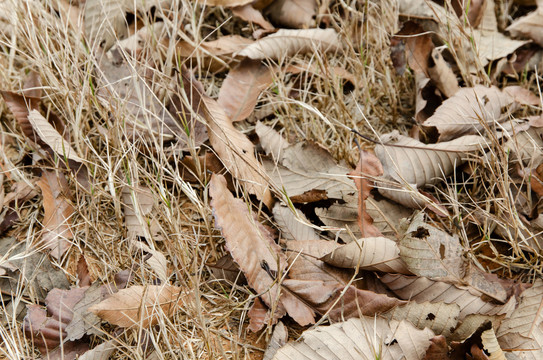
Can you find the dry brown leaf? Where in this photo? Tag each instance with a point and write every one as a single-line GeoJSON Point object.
{"type": "Point", "coordinates": [224, 3]}
{"type": "Point", "coordinates": [249, 13]}
{"type": "Point", "coordinates": [122, 85]}
{"type": "Point", "coordinates": [259, 316]}
{"type": "Point", "coordinates": [432, 253]}
{"type": "Point", "coordinates": [326, 288]}
{"type": "Point", "coordinates": [157, 262]}
{"type": "Point", "coordinates": [50, 136]}
{"type": "Point", "coordinates": [417, 45]}
{"type": "Point", "coordinates": [293, 226]}
{"type": "Point", "coordinates": [138, 305]}
{"type": "Point", "coordinates": [240, 90]}
{"type": "Point", "coordinates": [421, 289]}
{"type": "Point", "coordinates": [285, 43]}
{"type": "Point", "coordinates": [295, 14]}
{"type": "Point", "coordinates": [371, 253]}
{"type": "Point", "coordinates": [232, 146]}
{"type": "Point", "coordinates": [469, 111]}
{"type": "Point", "coordinates": [20, 106]}
{"type": "Point", "coordinates": [367, 168]}
{"type": "Point", "coordinates": [364, 338]}
{"type": "Point", "coordinates": [439, 317]}
{"type": "Point", "coordinates": [226, 269]}
{"type": "Point", "coordinates": [59, 213]}
{"type": "Point", "coordinates": [278, 339]}
{"type": "Point", "coordinates": [138, 203]}
{"type": "Point", "coordinates": [442, 75]}
{"type": "Point", "coordinates": [47, 327]}
{"type": "Point", "coordinates": [272, 142]}
{"type": "Point", "coordinates": [305, 167]}
{"type": "Point", "coordinates": [438, 350]}
{"type": "Point", "coordinates": [529, 26]}
{"type": "Point", "coordinates": [100, 352]}
{"type": "Point", "coordinates": [253, 249]}
{"type": "Point", "coordinates": [105, 22]}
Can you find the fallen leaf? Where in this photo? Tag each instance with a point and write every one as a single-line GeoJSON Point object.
{"type": "Point", "coordinates": [442, 75]}
{"type": "Point", "coordinates": [285, 43]}
{"type": "Point", "coordinates": [370, 253]}
{"type": "Point", "coordinates": [253, 249]}
{"type": "Point", "coordinates": [224, 3]}
{"type": "Point", "coordinates": [59, 213]}
{"type": "Point", "coordinates": [295, 14]}
{"type": "Point", "coordinates": [528, 26]}
{"type": "Point", "coordinates": [278, 339]}
{"type": "Point", "coordinates": [232, 146]}
{"type": "Point", "coordinates": [138, 305]}
{"type": "Point", "coordinates": [157, 262]}
{"type": "Point", "coordinates": [438, 350]}
{"type": "Point", "coordinates": [293, 226]}
{"type": "Point", "coordinates": [105, 22]}
{"type": "Point", "coordinates": [259, 316]}
{"type": "Point", "coordinates": [137, 203]}
{"type": "Point", "coordinates": [240, 90]}
{"type": "Point", "coordinates": [439, 317]}
{"type": "Point", "coordinates": [100, 352]}
{"type": "Point", "coordinates": [226, 269]}
{"type": "Point", "coordinates": [249, 13]}
{"type": "Point", "coordinates": [364, 338]}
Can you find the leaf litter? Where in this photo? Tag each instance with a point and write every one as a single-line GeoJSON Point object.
{"type": "Point", "coordinates": [207, 150]}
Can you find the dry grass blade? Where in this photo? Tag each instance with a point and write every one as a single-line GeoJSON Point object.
{"type": "Point", "coordinates": [139, 305]}
{"type": "Point", "coordinates": [285, 43]}
{"type": "Point", "coordinates": [253, 249]}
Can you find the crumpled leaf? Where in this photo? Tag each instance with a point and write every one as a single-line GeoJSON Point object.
{"type": "Point", "coordinates": [305, 167]}
{"type": "Point", "coordinates": [253, 249]}
{"type": "Point", "coordinates": [294, 14]}
{"type": "Point", "coordinates": [20, 106]}
{"type": "Point", "coordinates": [138, 203]}
{"type": "Point", "coordinates": [292, 226]}
{"type": "Point", "coordinates": [240, 90]}
{"type": "Point", "coordinates": [138, 305]}
{"type": "Point", "coordinates": [442, 75]}
{"type": "Point", "coordinates": [278, 339]}
{"type": "Point", "coordinates": [59, 213]}
{"type": "Point", "coordinates": [371, 253]}
{"type": "Point", "coordinates": [47, 327]}
{"type": "Point", "coordinates": [529, 26]}
{"type": "Point", "coordinates": [249, 13]}
{"type": "Point", "coordinates": [326, 288]}
{"type": "Point", "coordinates": [364, 338]}
{"type": "Point", "coordinates": [51, 137]}
{"type": "Point", "coordinates": [432, 253]}
{"type": "Point", "coordinates": [469, 111]}
{"type": "Point", "coordinates": [100, 352]}
{"type": "Point", "coordinates": [232, 146]}
{"type": "Point", "coordinates": [286, 42]}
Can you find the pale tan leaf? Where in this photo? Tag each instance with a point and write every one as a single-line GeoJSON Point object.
{"type": "Point", "coordinates": [139, 305]}
{"type": "Point", "coordinates": [521, 347]}
{"type": "Point", "coordinates": [442, 75]}
{"type": "Point", "coordinates": [272, 142]}
{"type": "Point", "coordinates": [122, 86]}
{"type": "Point", "coordinates": [240, 90]}
{"type": "Point", "coordinates": [529, 26]}
{"type": "Point", "coordinates": [157, 262]}
{"type": "Point", "coordinates": [528, 316]}
{"type": "Point", "coordinates": [278, 339]}
{"type": "Point", "coordinates": [51, 137]}
{"type": "Point", "coordinates": [527, 147]}
{"type": "Point", "coordinates": [439, 317]}
{"type": "Point", "coordinates": [422, 9]}
{"type": "Point", "coordinates": [224, 3]}
{"type": "Point", "coordinates": [355, 339]}
{"type": "Point", "coordinates": [372, 253]}
{"type": "Point", "coordinates": [252, 246]}
{"type": "Point", "coordinates": [431, 252]}
{"type": "Point", "coordinates": [59, 213]}
{"type": "Point", "coordinates": [137, 203]}
{"type": "Point", "coordinates": [285, 43]}
{"type": "Point", "coordinates": [413, 162]}
{"type": "Point", "coordinates": [233, 148]}
{"type": "Point", "coordinates": [421, 289]}
{"type": "Point", "coordinates": [295, 14]}
{"type": "Point", "coordinates": [100, 352]}
{"type": "Point", "coordinates": [105, 22]}
{"type": "Point", "coordinates": [305, 167]}
{"type": "Point", "coordinates": [471, 323]}
{"type": "Point", "coordinates": [469, 111]}
{"type": "Point", "coordinates": [491, 346]}
{"type": "Point", "coordinates": [293, 226]}
{"type": "Point", "coordinates": [250, 14]}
